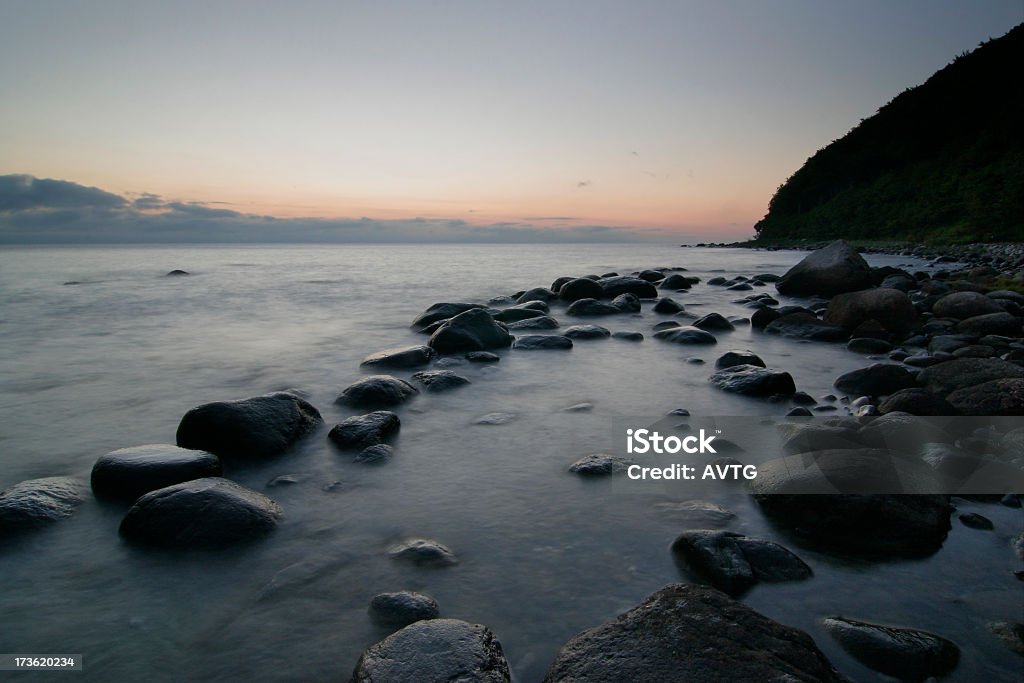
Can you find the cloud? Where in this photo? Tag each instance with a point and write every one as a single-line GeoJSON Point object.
{"type": "Point", "coordinates": [35, 211]}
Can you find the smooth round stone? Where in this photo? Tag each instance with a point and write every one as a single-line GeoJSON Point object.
{"type": "Point", "coordinates": [128, 473]}
{"type": "Point", "coordinates": [424, 553]}
{"type": "Point", "coordinates": [402, 608]}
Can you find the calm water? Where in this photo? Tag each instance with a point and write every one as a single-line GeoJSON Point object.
{"type": "Point", "coordinates": [117, 360]}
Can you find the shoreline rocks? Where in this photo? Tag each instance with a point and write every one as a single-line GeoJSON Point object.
{"type": "Point", "coordinates": [36, 503]}
{"type": "Point", "coordinates": [128, 473]}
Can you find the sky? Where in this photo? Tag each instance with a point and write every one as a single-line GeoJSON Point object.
{"type": "Point", "coordinates": [444, 121]}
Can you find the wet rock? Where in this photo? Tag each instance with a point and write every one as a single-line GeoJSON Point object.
{"type": "Point", "coordinates": [591, 307]}
{"type": "Point", "coordinates": [377, 453]}
{"type": "Point", "coordinates": [599, 465]}
{"type": "Point", "coordinates": [948, 342]}
{"type": "Point", "coordinates": [962, 305]}
{"type": "Point", "coordinates": [686, 334]}
{"type": "Point", "coordinates": [436, 381]}
{"type": "Point", "coordinates": [37, 502]}
{"type": "Point", "coordinates": [474, 330]}
{"type": "Point", "coordinates": [482, 357]}
{"type": "Point", "coordinates": [542, 342]}
{"type": "Point", "coordinates": [701, 513]}
{"type": "Point", "coordinates": [752, 380]}
{"type": "Point", "coordinates": [253, 428]}
{"type": "Point", "coordinates": [404, 357]}
{"type": "Point", "coordinates": [423, 553]}
{"type": "Point", "coordinates": [677, 281]}
{"type": "Point", "coordinates": [836, 269]}
{"type": "Point", "coordinates": [889, 307]}
{"type": "Point", "coordinates": [975, 521]}
{"type": "Point", "coordinates": [511, 315]}
{"type": "Point", "coordinates": [441, 311]}
{"type": "Point", "coordinates": [967, 372]}
{"type": "Point", "coordinates": [733, 563]}
{"type": "Point", "coordinates": [686, 633]}
{"type": "Point", "coordinates": [713, 321]}
{"type": "Point", "coordinates": [667, 305]}
{"type": "Point", "coordinates": [177, 273]}
{"type": "Point", "coordinates": [627, 335]}
{"type": "Point", "coordinates": [802, 398]}
{"type": "Point", "coordinates": [762, 317]}
{"type": "Point", "coordinates": [435, 651]}
{"type": "Point", "coordinates": [556, 286]}
{"type": "Point", "coordinates": [799, 411]}
{"type": "Point", "coordinates": [731, 358]}
{"type": "Point", "coordinates": [204, 513]}
{"type": "Point", "coordinates": [665, 325]}
{"type": "Point", "coordinates": [650, 275]}
{"type": "Point", "coordinates": [360, 431]}
{"type": "Point", "coordinates": [624, 284]}
{"type": "Point", "coordinates": [402, 608]}
{"type": "Point", "coordinates": [916, 401]}
{"type": "Point", "coordinates": [904, 653]}
{"type": "Point", "coordinates": [579, 408]}
{"type": "Point", "coordinates": [1010, 633]}
{"type": "Point", "coordinates": [494, 419]}
{"type": "Point", "coordinates": [128, 473]}
{"type": "Point", "coordinates": [996, 397]}
{"type": "Point", "coordinates": [804, 325]}
{"type": "Point", "coordinates": [868, 345]}
{"type": "Point", "coordinates": [627, 303]}
{"type": "Point", "coordinates": [880, 379]}
{"type": "Point", "coordinates": [537, 294]}
{"type": "Point", "coordinates": [580, 288]}
{"type": "Point", "coordinates": [541, 322]}
{"type": "Point", "coordinates": [990, 323]}
{"type": "Point", "coordinates": [377, 391]}
{"type": "Point", "coordinates": [587, 332]}
{"type": "Point", "coordinates": [975, 351]}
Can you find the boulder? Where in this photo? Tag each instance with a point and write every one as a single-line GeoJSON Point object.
{"type": "Point", "coordinates": [627, 303]}
{"type": "Point", "coordinates": [990, 323]}
{"type": "Point", "coordinates": [967, 372]}
{"type": "Point", "coordinates": [377, 391]}
{"type": "Point", "coordinates": [599, 465]}
{"type": "Point", "coordinates": [713, 322]}
{"type": "Point", "coordinates": [651, 275]}
{"type": "Point", "coordinates": [515, 314]}
{"type": "Point", "coordinates": [753, 380]}
{"type": "Point", "coordinates": [591, 307]}
{"type": "Point", "coordinates": [482, 357]}
{"type": "Point", "coordinates": [474, 330]}
{"type": "Point", "coordinates": [441, 311]}
{"type": "Point", "coordinates": [541, 322]}
{"type": "Point", "coordinates": [916, 401]}
{"type": "Point", "coordinates": [836, 269]}
{"type": "Point", "coordinates": [536, 294]}
{"type": "Point", "coordinates": [890, 307]}
{"type": "Point", "coordinates": [435, 651]}
{"type": "Point", "coordinates": [697, 513]}
{"type": "Point", "coordinates": [556, 286]}
{"type": "Point", "coordinates": [128, 473]}
{"type": "Point", "coordinates": [676, 281]}
{"type": "Point", "coordinates": [996, 397]}
{"type": "Point", "coordinates": [253, 428]}
{"type": "Point", "coordinates": [628, 335]}
{"type": "Point", "coordinates": [804, 325]}
{"type": "Point", "coordinates": [377, 453]}
{"type": "Point", "coordinates": [360, 431]}
{"type": "Point", "coordinates": [733, 563]}
{"type": "Point", "coordinates": [436, 381]}
{"type": "Point", "coordinates": [906, 654]}
{"type": "Point", "coordinates": [580, 288]}
{"type": "Point", "coordinates": [587, 332]}
{"type": "Point", "coordinates": [667, 306]}
{"type": "Point", "coordinates": [963, 305]}
{"type": "Point", "coordinates": [880, 379]}
{"type": "Point", "coordinates": [423, 553]}
{"type": "Point", "coordinates": [686, 633]}
{"type": "Point", "coordinates": [731, 358]}
{"type": "Point", "coordinates": [868, 345]}
{"type": "Point", "coordinates": [542, 342]}
{"type": "Point", "coordinates": [402, 608]}
{"type": "Point", "coordinates": [37, 502]}
{"type": "Point", "coordinates": [205, 513]}
{"type": "Point", "coordinates": [625, 284]}
{"type": "Point", "coordinates": [762, 317]}
{"type": "Point", "coordinates": [685, 334]}
{"type": "Point", "coordinates": [402, 357]}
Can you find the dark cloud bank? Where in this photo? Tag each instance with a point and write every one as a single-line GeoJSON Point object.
{"type": "Point", "coordinates": [43, 211]}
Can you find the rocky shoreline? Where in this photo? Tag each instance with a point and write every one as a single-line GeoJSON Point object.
{"type": "Point", "coordinates": [941, 343]}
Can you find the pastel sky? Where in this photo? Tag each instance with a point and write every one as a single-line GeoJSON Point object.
{"type": "Point", "coordinates": [673, 117]}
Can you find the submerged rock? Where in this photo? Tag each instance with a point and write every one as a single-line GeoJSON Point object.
{"type": "Point", "coordinates": [435, 651]}
{"type": "Point", "coordinates": [542, 342]}
{"type": "Point", "coordinates": [686, 633]}
{"type": "Point", "coordinates": [628, 335]}
{"type": "Point", "coordinates": [753, 380]}
{"type": "Point", "coordinates": [252, 428]}
{"type": "Point", "coordinates": [436, 381]}
{"type": "Point", "coordinates": [37, 502]}
{"type": "Point", "coordinates": [733, 563]}
{"type": "Point", "coordinates": [541, 322]}
{"type": "Point", "coordinates": [474, 330]}
{"type": "Point", "coordinates": [713, 321]}
{"type": "Point", "coordinates": [599, 465]}
{"type": "Point", "coordinates": [685, 334]}
{"type": "Point", "coordinates": [423, 553]}
{"type": "Point", "coordinates": [377, 391]}
{"type": "Point", "coordinates": [627, 303]}
{"type": "Point", "coordinates": [482, 357]}
{"type": "Point", "coordinates": [591, 308]}
{"type": "Point", "coordinates": [803, 325]}
{"type": "Point", "coordinates": [587, 332]}
{"type": "Point", "coordinates": [128, 473]}
{"type": "Point", "coordinates": [697, 512]}
{"type": "Point", "coordinates": [401, 357]}
{"type": "Point", "coordinates": [360, 431]}
{"type": "Point", "coordinates": [380, 452]}
{"type": "Point", "coordinates": [904, 653]}
{"type": "Point", "coordinates": [731, 358]}
{"type": "Point", "coordinates": [836, 269]}
{"type": "Point", "coordinates": [667, 305]}
{"type": "Point", "coordinates": [204, 513]}
{"type": "Point", "coordinates": [402, 608]}
{"type": "Point", "coordinates": [890, 307]}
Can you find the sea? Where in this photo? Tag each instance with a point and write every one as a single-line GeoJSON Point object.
{"type": "Point", "coordinates": [100, 350]}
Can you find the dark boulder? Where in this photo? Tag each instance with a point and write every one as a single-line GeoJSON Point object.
{"type": "Point", "coordinates": [836, 269]}
{"type": "Point", "coordinates": [599, 465]}
{"type": "Point", "coordinates": [403, 357]}
{"type": "Point", "coordinates": [402, 608]}
{"type": "Point", "coordinates": [667, 305]}
{"type": "Point", "coordinates": [676, 281]}
{"type": "Point", "coordinates": [128, 473]}
{"type": "Point", "coordinates": [686, 633]}
{"type": "Point", "coordinates": [586, 332]}
{"type": "Point", "coordinates": [177, 273]}
{"type": "Point", "coordinates": [962, 305]}
{"type": "Point", "coordinates": [435, 651]}
{"type": "Point", "coordinates": [890, 307]}
{"type": "Point", "coordinates": [423, 553]}
{"type": "Point", "coordinates": [542, 342]}
{"type": "Point", "coordinates": [686, 334]}
{"type": "Point", "coordinates": [377, 453]}
{"type": "Point", "coordinates": [916, 401]}
{"type": "Point", "coordinates": [482, 357]}
{"type": "Point", "coordinates": [436, 381]}
{"type": "Point", "coordinates": [804, 325]}
{"type": "Point", "coordinates": [536, 294]}
{"type": "Point", "coordinates": [591, 307]}
{"type": "Point", "coordinates": [624, 284]}
{"type": "Point", "coordinates": [360, 431]}
{"type": "Point", "coordinates": [628, 335]}
{"type": "Point", "coordinates": [511, 315]}
{"type": "Point", "coordinates": [762, 317]}
{"type": "Point", "coordinates": [967, 372]}
{"type": "Point", "coordinates": [252, 428]}
{"type": "Point", "coordinates": [541, 322]}
{"type": "Point", "coordinates": [556, 286]}
{"type": "Point", "coordinates": [731, 358]}
{"type": "Point", "coordinates": [204, 513]}
{"type": "Point", "coordinates": [37, 502]}
{"type": "Point", "coordinates": [714, 322]}
{"type": "Point", "coordinates": [868, 345]}
{"type": "Point", "coordinates": [990, 323]}
{"type": "Point", "coordinates": [996, 397]}
{"type": "Point", "coordinates": [474, 330]}
{"type": "Point", "coordinates": [752, 380]}
{"type": "Point", "coordinates": [627, 303]}
{"type": "Point", "coordinates": [441, 311]}
{"type": "Point", "coordinates": [880, 379]}
{"type": "Point", "coordinates": [377, 391]}
{"type": "Point", "coordinates": [580, 288]}
{"type": "Point", "coordinates": [903, 653]}
{"type": "Point", "coordinates": [733, 563]}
